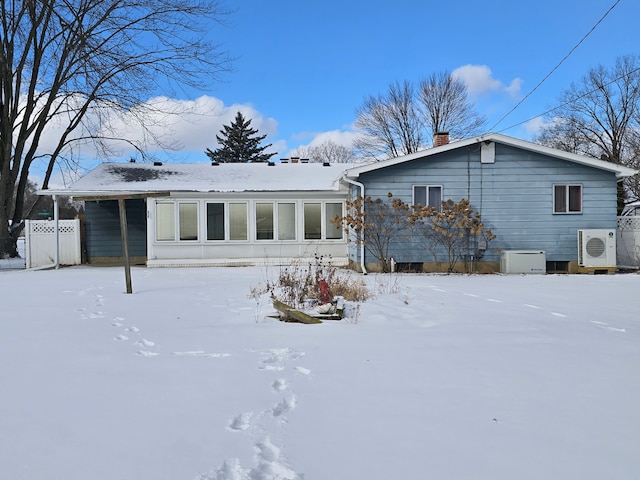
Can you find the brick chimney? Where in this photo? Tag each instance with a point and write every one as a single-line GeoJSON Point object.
{"type": "Point", "coordinates": [440, 138]}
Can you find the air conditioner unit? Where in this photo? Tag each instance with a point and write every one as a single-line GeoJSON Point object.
{"type": "Point", "coordinates": [597, 248]}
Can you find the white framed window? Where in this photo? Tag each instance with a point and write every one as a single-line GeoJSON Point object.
{"type": "Point", "coordinates": [333, 231]}
{"type": "Point", "coordinates": [216, 225]}
{"type": "Point", "coordinates": [165, 222]}
{"type": "Point", "coordinates": [188, 220]}
{"type": "Point", "coordinates": [226, 221]}
{"type": "Point", "coordinates": [318, 218]}
{"type": "Point", "coordinates": [286, 221]}
{"type": "Point", "coordinates": [428, 196]}
{"type": "Point", "coordinates": [238, 220]}
{"type": "Point", "coordinates": [567, 199]}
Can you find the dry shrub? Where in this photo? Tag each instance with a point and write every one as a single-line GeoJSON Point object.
{"type": "Point", "coordinates": [297, 284]}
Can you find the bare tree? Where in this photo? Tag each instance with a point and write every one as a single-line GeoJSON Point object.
{"type": "Point", "coordinates": [445, 106]}
{"type": "Point", "coordinates": [405, 120]}
{"type": "Point", "coordinates": [600, 117]}
{"type": "Point", "coordinates": [326, 152]}
{"type": "Point", "coordinates": [390, 123]}
{"type": "Point", "coordinates": [68, 65]}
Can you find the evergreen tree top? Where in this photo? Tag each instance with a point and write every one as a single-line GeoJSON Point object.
{"type": "Point", "coordinates": [239, 143]}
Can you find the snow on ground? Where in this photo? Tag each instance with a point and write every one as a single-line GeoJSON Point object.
{"type": "Point", "coordinates": [444, 377]}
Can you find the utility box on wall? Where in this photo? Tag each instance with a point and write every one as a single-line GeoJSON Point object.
{"type": "Point", "coordinates": [523, 261]}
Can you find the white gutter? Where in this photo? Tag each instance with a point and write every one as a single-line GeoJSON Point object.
{"type": "Point", "coordinates": [361, 186]}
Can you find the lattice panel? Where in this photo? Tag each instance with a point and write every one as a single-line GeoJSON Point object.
{"type": "Point", "coordinates": [629, 223]}
{"type": "Point", "coordinates": [48, 227]}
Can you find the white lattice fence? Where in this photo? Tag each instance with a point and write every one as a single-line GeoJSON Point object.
{"type": "Point", "coordinates": [628, 242]}
{"type": "Point", "coordinates": [40, 245]}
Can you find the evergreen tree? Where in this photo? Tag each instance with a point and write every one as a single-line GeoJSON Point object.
{"type": "Point", "coordinates": [238, 144]}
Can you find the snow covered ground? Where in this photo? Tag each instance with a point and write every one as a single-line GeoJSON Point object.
{"type": "Point", "coordinates": [444, 377]}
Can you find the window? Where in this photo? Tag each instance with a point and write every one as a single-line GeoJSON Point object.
{"type": "Point", "coordinates": [165, 222]}
{"type": "Point", "coordinates": [333, 231]}
{"type": "Point", "coordinates": [317, 221]}
{"type": "Point", "coordinates": [188, 218]}
{"type": "Point", "coordinates": [237, 221]}
{"type": "Point", "coordinates": [286, 221]}
{"type": "Point", "coordinates": [312, 221]}
{"type": "Point", "coordinates": [428, 195]}
{"type": "Point", "coordinates": [215, 221]}
{"type": "Point", "coordinates": [567, 199]}
{"type": "Point", "coordinates": [264, 221]}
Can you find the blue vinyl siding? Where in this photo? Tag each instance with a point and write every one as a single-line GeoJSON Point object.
{"type": "Point", "coordinates": [102, 227]}
{"type": "Point", "coordinates": [514, 196]}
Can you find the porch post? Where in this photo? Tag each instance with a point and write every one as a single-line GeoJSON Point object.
{"type": "Point", "coordinates": [125, 243]}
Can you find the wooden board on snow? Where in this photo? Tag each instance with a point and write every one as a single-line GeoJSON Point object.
{"type": "Point", "coordinates": [293, 315]}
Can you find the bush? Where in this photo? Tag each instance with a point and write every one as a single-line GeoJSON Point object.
{"type": "Point", "coordinates": [297, 284]}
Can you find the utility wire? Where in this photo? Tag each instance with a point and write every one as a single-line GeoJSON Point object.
{"type": "Point", "coordinates": [556, 67]}
{"type": "Point", "coordinates": [586, 94]}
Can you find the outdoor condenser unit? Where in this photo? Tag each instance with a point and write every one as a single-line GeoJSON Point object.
{"type": "Point", "coordinates": [523, 261]}
{"type": "Point", "coordinates": [597, 248]}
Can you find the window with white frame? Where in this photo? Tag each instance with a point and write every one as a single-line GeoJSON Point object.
{"type": "Point", "coordinates": [286, 221]}
{"type": "Point", "coordinates": [333, 231]}
{"type": "Point", "coordinates": [264, 221]}
{"type": "Point", "coordinates": [567, 199]}
{"type": "Point", "coordinates": [186, 215]}
{"type": "Point", "coordinates": [317, 221]}
{"type": "Point", "coordinates": [238, 221]}
{"type": "Point", "coordinates": [188, 220]}
{"type": "Point", "coordinates": [165, 222]}
{"type": "Point", "coordinates": [428, 196]}
{"type": "Point", "coordinates": [215, 221]}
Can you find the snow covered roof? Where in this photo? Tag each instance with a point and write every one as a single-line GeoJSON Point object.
{"type": "Point", "coordinates": [141, 178]}
{"type": "Point", "coordinates": [619, 170]}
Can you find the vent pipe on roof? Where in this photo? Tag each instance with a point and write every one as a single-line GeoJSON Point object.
{"type": "Point", "coordinates": [157, 164]}
{"type": "Point", "coordinates": [271, 164]}
{"type": "Point", "coordinates": [214, 163]}
{"type": "Point", "coordinates": [304, 160]}
{"type": "Point", "coordinates": [295, 159]}
{"type": "Point", "coordinates": [326, 164]}
{"type": "Point", "coordinates": [284, 160]}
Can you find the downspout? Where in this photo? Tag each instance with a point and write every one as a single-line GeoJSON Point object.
{"type": "Point", "coordinates": [361, 186]}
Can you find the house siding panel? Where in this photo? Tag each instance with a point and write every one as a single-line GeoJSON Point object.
{"type": "Point", "coordinates": [514, 196]}
{"type": "Point", "coordinates": [102, 227]}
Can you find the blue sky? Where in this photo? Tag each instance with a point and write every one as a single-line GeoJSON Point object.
{"type": "Point", "coordinates": [303, 68]}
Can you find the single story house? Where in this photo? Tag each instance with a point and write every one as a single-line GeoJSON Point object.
{"type": "Point", "coordinates": [532, 197]}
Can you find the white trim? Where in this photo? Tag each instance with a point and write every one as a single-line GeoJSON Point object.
{"type": "Point", "coordinates": [619, 170]}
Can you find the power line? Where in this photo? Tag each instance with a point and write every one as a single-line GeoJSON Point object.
{"type": "Point", "coordinates": [556, 67]}
{"type": "Point", "coordinates": [586, 94]}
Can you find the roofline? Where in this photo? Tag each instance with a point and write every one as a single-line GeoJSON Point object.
{"type": "Point", "coordinates": [619, 170]}
{"type": "Point", "coordinates": [100, 194]}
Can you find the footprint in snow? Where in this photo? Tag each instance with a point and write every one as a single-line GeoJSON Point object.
{"type": "Point", "coordinates": [121, 337]}
{"type": "Point", "coordinates": [279, 385]}
{"type": "Point", "coordinates": [240, 422]}
{"type": "Point", "coordinates": [284, 406]}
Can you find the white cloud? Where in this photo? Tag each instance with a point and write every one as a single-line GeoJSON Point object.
{"type": "Point", "coordinates": [343, 138]}
{"type": "Point", "coordinates": [188, 126]}
{"type": "Point", "coordinates": [480, 81]}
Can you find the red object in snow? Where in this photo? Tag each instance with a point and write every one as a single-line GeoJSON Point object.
{"type": "Point", "coordinates": [325, 293]}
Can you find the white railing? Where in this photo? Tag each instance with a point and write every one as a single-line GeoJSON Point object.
{"type": "Point", "coordinates": [41, 243]}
